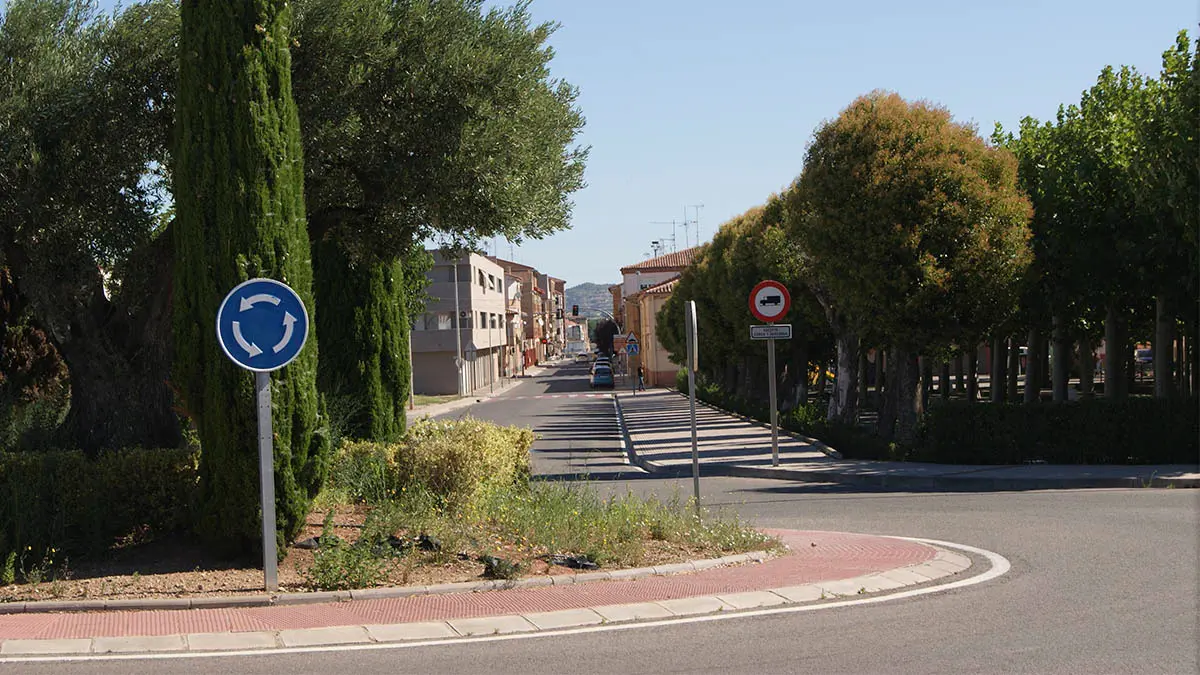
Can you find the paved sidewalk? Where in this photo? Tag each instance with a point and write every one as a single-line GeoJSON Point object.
{"type": "Point", "coordinates": [503, 386]}
{"type": "Point", "coordinates": [817, 566]}
{"type": "Point", "coordinates": [657, 426]}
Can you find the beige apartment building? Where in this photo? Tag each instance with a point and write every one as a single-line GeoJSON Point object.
{"type": "Point", "coordinates": [459, 347]}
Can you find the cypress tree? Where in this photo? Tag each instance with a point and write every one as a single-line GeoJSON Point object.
{"type": "Point", "coordinates": [239, 193]}
{"type": "Point", "coordinates": [366, 379]}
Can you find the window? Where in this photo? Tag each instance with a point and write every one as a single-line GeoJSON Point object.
{"type": "Point", "coordinates": [481, 284]}
{"type": "Point", "coordinates": [483, 319]}
{"type": "Point", "coordinates": [491, 282]}
{"type": "Point", "coordinates": [493, 324]}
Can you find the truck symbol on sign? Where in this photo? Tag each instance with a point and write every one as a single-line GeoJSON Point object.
{"type": "Point", "coordinates": [770, 300]}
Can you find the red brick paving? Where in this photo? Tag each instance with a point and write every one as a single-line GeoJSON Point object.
{"type": "Point", "coordinates": [835, 556]}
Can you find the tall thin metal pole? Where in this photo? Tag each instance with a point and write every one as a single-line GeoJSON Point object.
{"type": "Point", "coordinates": [690, 329]}
{"type": "Point", "coordinates": [458, 353]}
{"type": "Point", "coordinates": [266, 472]}
{"type": "Point", "coordinates": [411, 376]}
{"type": "Point", "coordinates": [774, 406]}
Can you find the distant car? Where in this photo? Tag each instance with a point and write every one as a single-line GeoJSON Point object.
{"type": "Point", "coordinates": [770, 300]}
{"type": "Point", "coordinates": [602, 377]}
{"type": "Point", "coordinates": [583, 357]}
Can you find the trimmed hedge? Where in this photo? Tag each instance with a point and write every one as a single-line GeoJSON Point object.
{"type": "Point", "coordinates": [454, 460]}
{"type": "Point", "coordinates": [63, 500]}
{"type": "Point", "coordinates": [1137, 430]}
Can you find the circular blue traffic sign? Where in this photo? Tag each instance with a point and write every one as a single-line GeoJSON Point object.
{"type": "Point", "coordinates": [262, 325]}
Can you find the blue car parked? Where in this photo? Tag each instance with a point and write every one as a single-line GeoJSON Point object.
{"type": "Point", "coordinates": [602, 376]}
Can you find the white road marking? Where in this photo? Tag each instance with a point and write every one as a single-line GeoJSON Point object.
{"type": "Point", "coordinates": [999, 566]}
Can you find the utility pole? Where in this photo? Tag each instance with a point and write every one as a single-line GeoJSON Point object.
{"type": "Point", "coordinates": [458, 354]}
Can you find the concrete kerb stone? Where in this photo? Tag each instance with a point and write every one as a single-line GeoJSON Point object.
{"type": "Point", "coordinates": [236, 601]}
{"type": "Point", "coordinates": [941, 565]}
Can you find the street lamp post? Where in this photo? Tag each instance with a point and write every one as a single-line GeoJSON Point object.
{"type": "Point", "coordinates": [458, 352]}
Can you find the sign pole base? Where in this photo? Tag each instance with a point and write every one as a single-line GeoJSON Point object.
{"type": "Point", "coordinates": [266, 468]}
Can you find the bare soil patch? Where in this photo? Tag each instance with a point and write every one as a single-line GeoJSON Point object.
{"type": "Point", "coordinates": [182, 567]}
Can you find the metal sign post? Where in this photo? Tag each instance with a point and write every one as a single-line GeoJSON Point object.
{"type": "Point", "coordinates": [692, 347]}
{"type": "Point", "coordinates": [632, 348]}
{"type": "Point", "coordinates": [769, 301]}
{"type": "Point", "coordinates": [261, 326]}
{"type": "Point", "coordinates": [266, 479]}
{"type": "Point", "coordinates": [774, 407]}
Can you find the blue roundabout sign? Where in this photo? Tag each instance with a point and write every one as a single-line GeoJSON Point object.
{"type": "Point", "coordinates": [262, 325]}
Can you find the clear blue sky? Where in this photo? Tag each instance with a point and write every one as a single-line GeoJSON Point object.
{"type": "Point", "coordinates": [714, 102]}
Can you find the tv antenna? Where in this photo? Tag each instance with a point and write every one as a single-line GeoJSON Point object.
{"type": "Point", "coordinates": [660, 246]}
{"type": "Point", "coordinates": [694, 221]}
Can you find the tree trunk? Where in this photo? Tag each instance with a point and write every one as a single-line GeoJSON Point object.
{"type": "Point", "coordinates": [926, 365]}
{"type": "Point", "coordinates": [843, 406]}
{"type": "Point", "coordinates": [944, 381]}
{"type": "Point", "coordinates": [862, 376]}
{"type": "Point", "coordinates": [1060, 362]}
{"type": "Point", "coordinates": [1114, 352]}
{"type": "Point", "coordinates": [1164, 329]}
{"type": "Point", "coordinates": [958, 371]}
{"type": "Point", "coordinates": [1014, 368]}
{"type": "Point", "coordinates": [239, 174]}
{"type": "Point", "coordinates": [1087, 367]}
{"type": "Point", "coordinates": [1180, 364]}
{"type": "Point", "coordinates": [801, 364]}
{"type": "Point", "coordinates": [117, 353]}
{"type": "Point", "coordinates": [972, 358]}
{"type": "Point", "coordinates": [880, 373]}
{"type": "Point", "coordinates": [908, 398]}
{"type": "Point", "coordinates": [1194, 360]}
{"type": "Point", "coordinates": [999, 361]}
{"type": "Point", "coordinates": [889, 404]}
{"type": "Point", "coordinates": [1033, 367]}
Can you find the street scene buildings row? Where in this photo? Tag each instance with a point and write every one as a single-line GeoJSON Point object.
{"type": "Point", "coordinates": [488, 319]}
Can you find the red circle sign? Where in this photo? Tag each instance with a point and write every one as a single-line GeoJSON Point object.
{"type": "Point", "coordinates": [770, 301]}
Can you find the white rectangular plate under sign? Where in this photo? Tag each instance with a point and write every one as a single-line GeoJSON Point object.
{"type": "Point", "coordinates": [778, 331]}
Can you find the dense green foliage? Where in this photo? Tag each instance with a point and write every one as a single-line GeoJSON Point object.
{"type": "Point", "coordinates": [744, 251]}
{"type": "Point", "coordinates": [1136, 430]}
{"type": "Point", "coordinates": [365, 378]}
{"type": "Point", "coordinates": [418, 119]}
{"type": "Point", "coordinates": [78, 505]}
{"type": "Point", "coordinates": [240, 216]}
{"type": "Point", "coordinates": [84, 122]}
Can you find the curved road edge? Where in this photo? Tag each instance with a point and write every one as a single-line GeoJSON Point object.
{"type": "Point", "coordinates": [805, 598]}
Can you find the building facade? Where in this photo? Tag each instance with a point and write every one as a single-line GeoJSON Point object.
{"type": "Point", "coordinates": [459, 343]}
{"type": "Point", "coordinates": [644, 288]}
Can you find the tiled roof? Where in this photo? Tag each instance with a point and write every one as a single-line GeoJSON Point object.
{"type": "Point", "coordinates": [665, 288]}
{"type": "Point", "coordinates": [675, 260]}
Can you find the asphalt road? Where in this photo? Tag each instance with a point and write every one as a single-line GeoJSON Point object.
{"type": "Point", "coordinates": [1103, 581]}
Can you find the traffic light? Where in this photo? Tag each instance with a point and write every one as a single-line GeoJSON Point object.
{"type": "Point", "coordinates": [574, 310]}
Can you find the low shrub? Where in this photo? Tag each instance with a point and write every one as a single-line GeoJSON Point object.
{"type": "Point", "coordinates": [66, 501]}
{"type": "Point", "coordinates": [454, 460]}
{"type": "Point", "coordinates": [340, 566]}
{"type": "Point", "coordinates": [457, 460]}
{"type": "Point", "coordinates": [1137, 430]}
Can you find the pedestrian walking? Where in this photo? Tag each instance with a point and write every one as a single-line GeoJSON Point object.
{"type": "Point", "coordinates": [641, 379]}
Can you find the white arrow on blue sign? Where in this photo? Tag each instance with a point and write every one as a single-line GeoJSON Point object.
{"type": "Point", "coordinates": [262, 325]}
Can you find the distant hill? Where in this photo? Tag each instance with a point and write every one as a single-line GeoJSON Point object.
{"type": "Point", "coordinates": [590, 297]}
